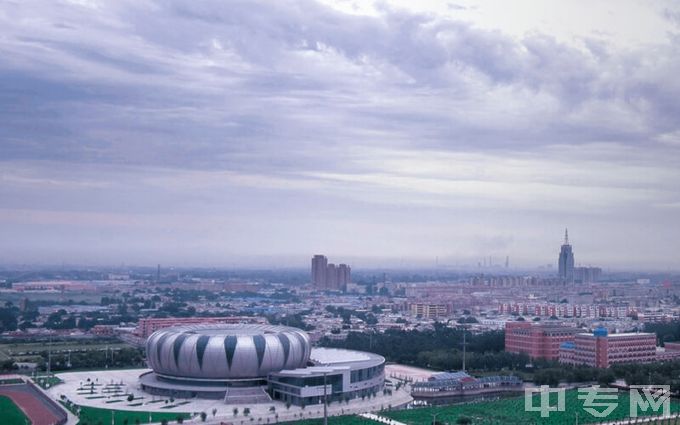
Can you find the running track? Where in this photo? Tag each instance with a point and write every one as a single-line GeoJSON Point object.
{"type": "Point", "coordinates": [36, 405]}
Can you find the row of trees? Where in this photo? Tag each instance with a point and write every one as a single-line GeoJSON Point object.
{"type": "Point", "coordinates": [346, 314]}
{"type": "Point", "coordinates": [407, 346]}
{"type": "Point", "coordinates": [95, 359]}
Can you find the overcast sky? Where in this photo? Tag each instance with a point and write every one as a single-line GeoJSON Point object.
{"type": "Point", "coordinates": [230, 133]}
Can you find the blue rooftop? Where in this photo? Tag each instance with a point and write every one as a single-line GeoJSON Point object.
{"type": "Point", "coordinates": [600, 331]}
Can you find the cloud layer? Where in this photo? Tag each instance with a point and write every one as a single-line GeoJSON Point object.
{"type": "Point", "coordinates": [211, 132]}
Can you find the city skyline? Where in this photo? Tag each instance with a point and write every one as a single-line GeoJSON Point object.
{"type": "Point", "coordinates": [384, 133]}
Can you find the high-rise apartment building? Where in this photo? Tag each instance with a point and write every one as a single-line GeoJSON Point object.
{"type": "Point", "coordinates": [344, 275]}
{"type": "Point", "coordinates": [327, 275]}
{"type": "Point", "coordinates": [565, 263]}
{"type": "Point", "coordinates": [319, 266]}
{"type": "Point", "coordinates": [331, 276]}
{"type": "Point", "coordinates": [587, 274]}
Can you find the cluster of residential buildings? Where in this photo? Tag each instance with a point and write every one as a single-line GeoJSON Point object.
{"type": "Point", "coordinates": [328, 276]}
{"type": "Point", "coordinates": [545, 309]}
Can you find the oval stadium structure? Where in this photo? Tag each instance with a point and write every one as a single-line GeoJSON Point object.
{"type": "Point", "coordinates": [226, 351]}
{"type": "Point", "coordinates": [248, 363]}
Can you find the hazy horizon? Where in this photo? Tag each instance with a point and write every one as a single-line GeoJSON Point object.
{"type": "Point", "coordinates": [220, 133]}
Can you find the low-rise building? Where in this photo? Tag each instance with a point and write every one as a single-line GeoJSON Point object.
{"type": "Point", "coordinates": [430, 310]}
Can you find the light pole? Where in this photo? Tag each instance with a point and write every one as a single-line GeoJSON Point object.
{"type": "Point", "coordinates": [464, 346]}
{"type": "Point", "coordinates": [49, 357]}
{"type": "Point", "coordinates": [325, 410]}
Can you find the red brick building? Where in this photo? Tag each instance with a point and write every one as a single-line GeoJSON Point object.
{"type": "Point", "coordinates": [538, 340]}
{"type": "Point", "coordinates": [600, 349]}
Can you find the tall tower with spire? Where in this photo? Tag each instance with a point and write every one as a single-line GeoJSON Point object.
{"type": "Point", "coordinates": [565, 263]}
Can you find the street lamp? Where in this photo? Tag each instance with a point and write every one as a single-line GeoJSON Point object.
{"type": "Point", "coordinates": [325, 410]}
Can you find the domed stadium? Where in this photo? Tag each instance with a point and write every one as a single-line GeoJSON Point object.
{"type": "Point", "coordinates": [226, 351]}
{"type": "Point", "coordinates": [248, 363]}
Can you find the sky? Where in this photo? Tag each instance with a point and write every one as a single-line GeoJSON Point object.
{"type": "Point", "coordinates": [258, 133]}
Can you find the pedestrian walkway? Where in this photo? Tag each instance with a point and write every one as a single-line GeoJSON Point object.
{"type": "Point", "coordinates": [670, 420]}
{"type": "Point", "coordinates": [380, 419]}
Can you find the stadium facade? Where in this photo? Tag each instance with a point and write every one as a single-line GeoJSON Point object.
{"type": "Point", "coordinates": [242, 363]}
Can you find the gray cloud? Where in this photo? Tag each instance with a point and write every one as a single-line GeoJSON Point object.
{"type": "Point", "coordinates": [296, 113]}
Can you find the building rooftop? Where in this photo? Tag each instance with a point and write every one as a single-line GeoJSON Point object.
{"type": "Point", "coordinates": [619, 335]}
{"type": "Point", "coordinates": [339, 357]}
{"type": "Point", "coordinates": [329, 360]}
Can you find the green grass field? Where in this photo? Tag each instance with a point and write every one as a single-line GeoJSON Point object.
{"type": "Point", "coordinates": [32, 348]}
{"type": "Point", "coordinates": [96, 416]}
{"type": "Point", "coordinates": [511, 412]}
{"type": "Point", "coordinates": [11, 414]}
{"type": "Point", "coordinates": [338, 420]}
{"type": "Point", "coordinates": [47, 381]}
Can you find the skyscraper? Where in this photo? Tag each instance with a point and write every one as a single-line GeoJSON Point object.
{"type": "Point", "coordinates": [319, 266]}
{"type": "Point", "coordinates": [344, 276]}
{"type": "Point", "coordinates": [331, 276]}
{"type": "Point", "coordinates": [328, 275]}
{"type": "Point", "coordinates": [565, 263]}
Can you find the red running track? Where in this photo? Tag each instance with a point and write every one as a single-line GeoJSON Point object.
{"type": "Point", "coordinates": [31, 402]}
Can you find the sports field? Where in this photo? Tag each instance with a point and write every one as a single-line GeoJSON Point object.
{"type": "Point", "coordinates": [339, 420]}
{"type": "Point", "coordinates": [11, 414]}
{"type": "Point", "coordinates": [28, 350]}
{"type": "Point", "coordinates": [95, 416]}
{"type": "Point", "coordinates": [512, 412]}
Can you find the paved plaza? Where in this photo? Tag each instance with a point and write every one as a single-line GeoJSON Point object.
{"type": "Point", "coordinates": [403, 372]}
{"type": "Point", "coordinates": [110, 389]}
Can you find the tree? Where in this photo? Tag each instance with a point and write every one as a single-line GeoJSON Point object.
{"type": "Point", "coordinates": [606, 377]}
{"type": "Point", "coordinates": [235, 411]}
{"type": "Point", "coordinates": [214, 412]}
{"type": "Point", "coordinates": [130, 397]}
{"type": "Point", "coordinates": [180, 419]}
{"type": "Point", "coordinates": [203, 416]}
{"type": "Point", "coordinates": [246, 411]}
